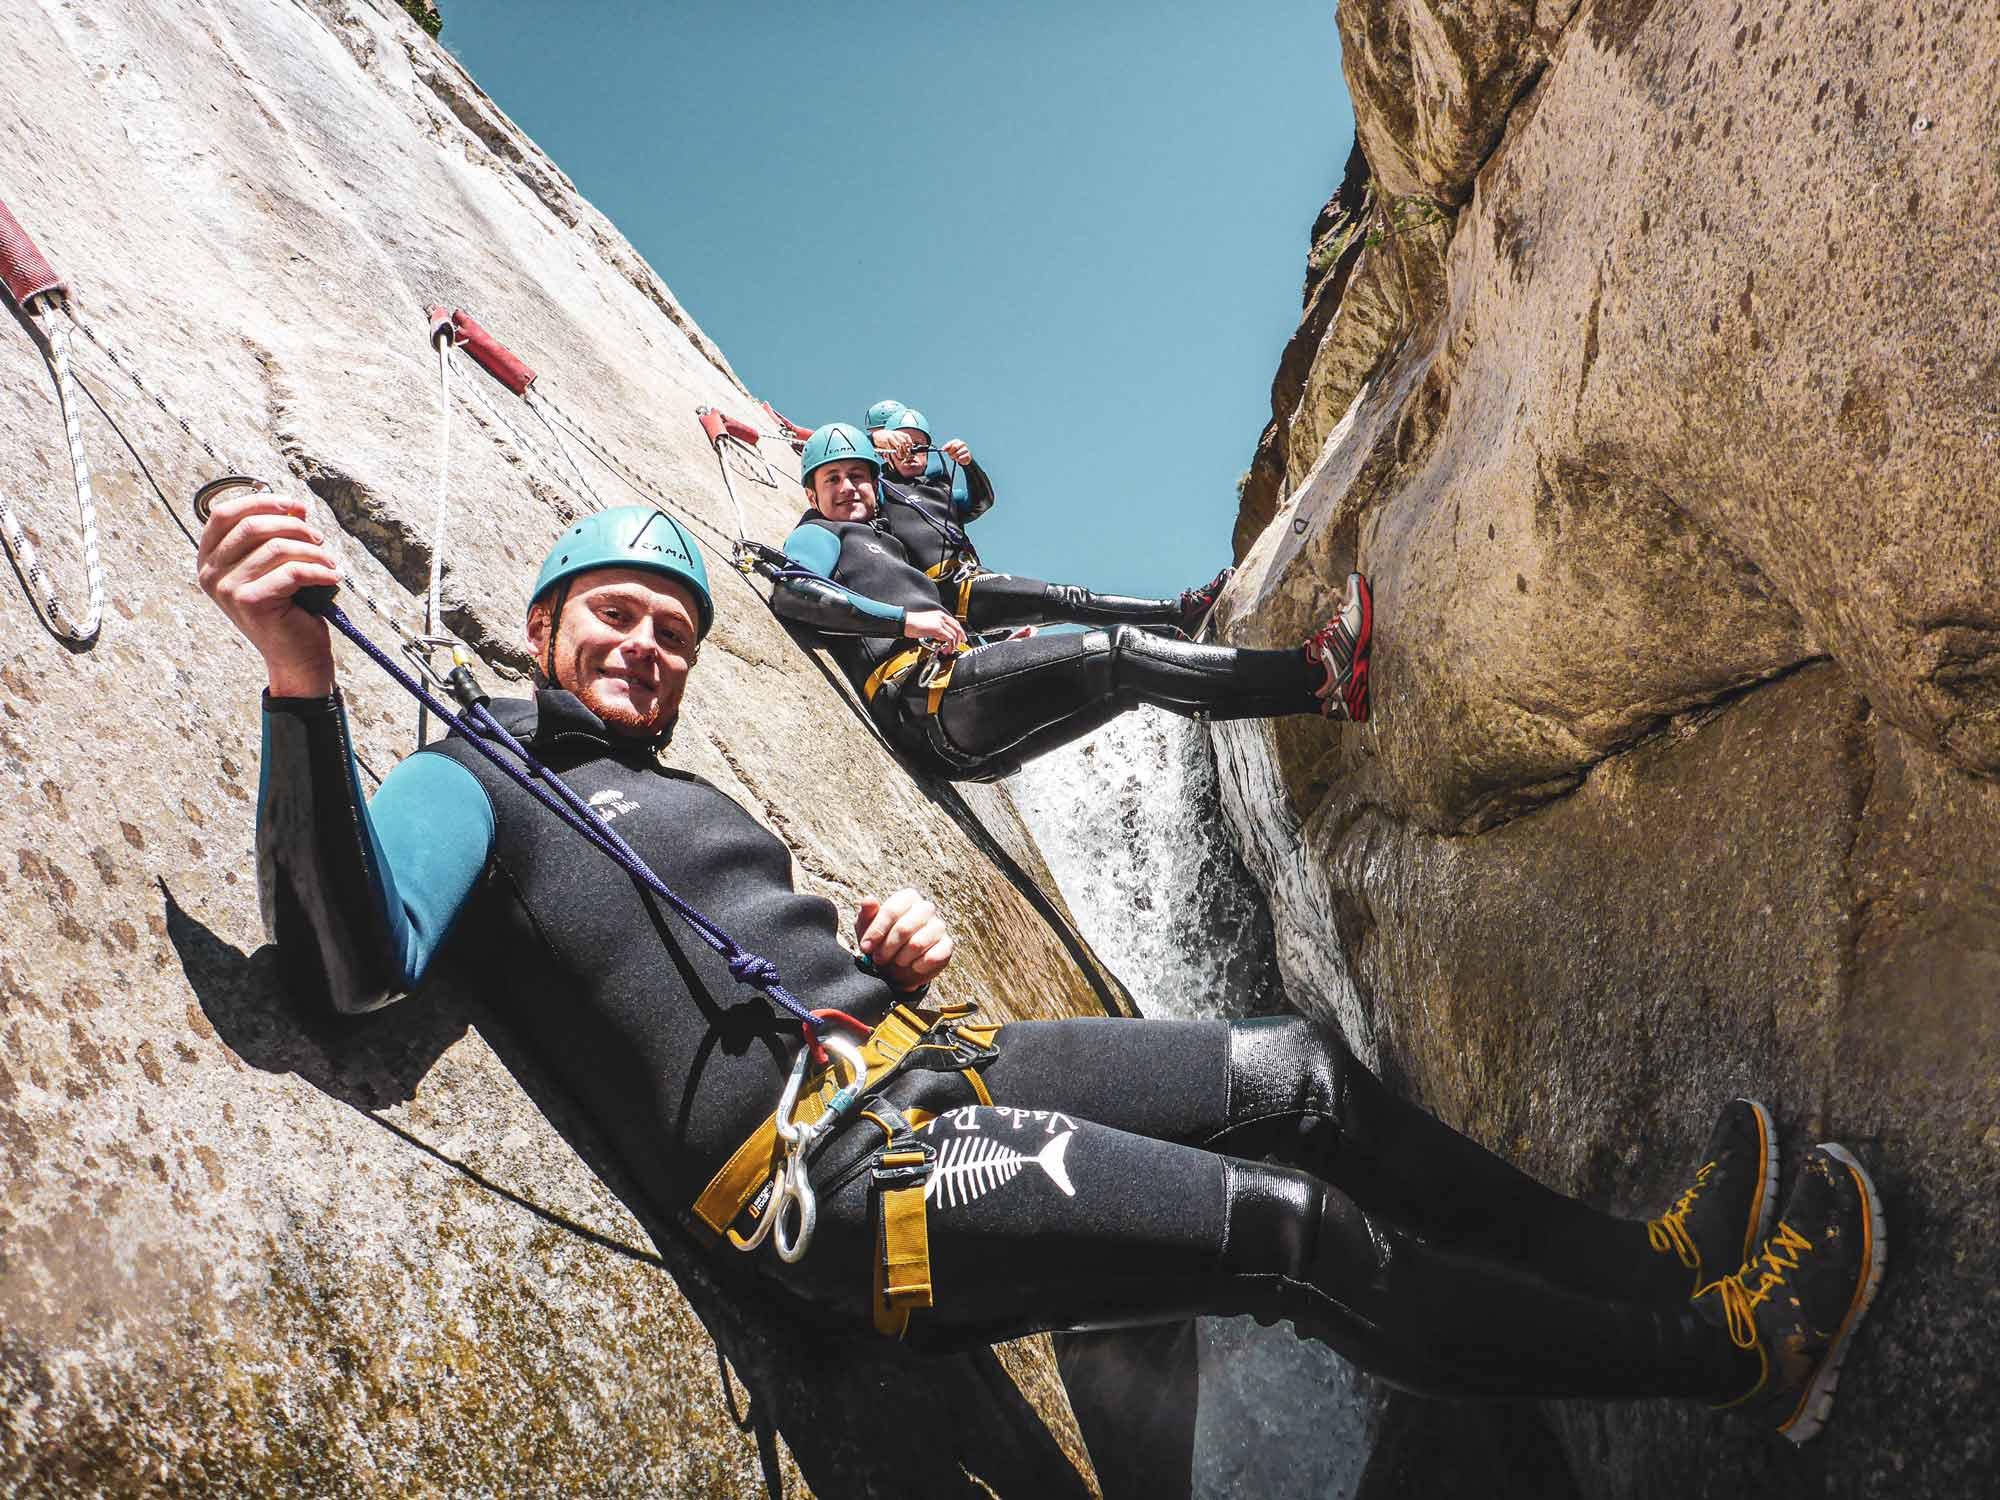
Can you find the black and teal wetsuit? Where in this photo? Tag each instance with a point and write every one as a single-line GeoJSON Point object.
{"type": "Point", "coordinates": [1126, 1171]}
{"type": "Point", "coordinates": [1005, 703]}
{"type": "Point", "coordinates": [642, 1020]}
{"type": "Point", "coordinates": [929, 514]}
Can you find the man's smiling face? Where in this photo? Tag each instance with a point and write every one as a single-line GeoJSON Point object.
{"type": "Point", "coordinates": [625, 644]}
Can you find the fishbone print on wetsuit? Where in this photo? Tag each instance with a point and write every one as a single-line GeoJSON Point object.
{"type": "Point", "coordinates": [971, 1164]}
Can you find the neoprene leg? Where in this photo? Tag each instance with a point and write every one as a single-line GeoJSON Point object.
{"type": "Point", "coordinates": [1001, 599]}
{"type": "Point", "coordinates": [1004, 694]}
{"type": "Point", "coordinates": [1038, 1220]}
{"type": "Point", "coordinates": [1287, 1090]}
{"type": "Point", "coordinates": [1447, 1323]}
{"type": "Point", "coordinates": [1298, 1096]}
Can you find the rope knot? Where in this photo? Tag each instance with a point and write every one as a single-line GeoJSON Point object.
{"type": "Point", "coordinates": [748, 968]}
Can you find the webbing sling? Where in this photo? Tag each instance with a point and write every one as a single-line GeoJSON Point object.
{"type": "Point", "coordinates": [903, 1281]}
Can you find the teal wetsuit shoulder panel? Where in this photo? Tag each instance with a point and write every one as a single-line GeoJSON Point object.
{"type": "Point", "coordinates": [377, 886]}
{"type": "Point", "coordinates": [817, 550]}
{"type": "Point", "coordinates": [432, 826]}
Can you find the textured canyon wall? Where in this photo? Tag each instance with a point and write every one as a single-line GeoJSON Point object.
{"type": "Point", "coordinates": [1661, 399]}
{"type": "Point", "coordinates": [244, 1250]}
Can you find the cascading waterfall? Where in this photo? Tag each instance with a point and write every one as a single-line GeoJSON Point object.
{"type": "Point", "coordinates": [1131, 825]}
{"type": "Point", "coordinates": [1130, 821]}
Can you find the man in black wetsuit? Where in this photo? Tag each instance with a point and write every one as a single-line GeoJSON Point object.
{"type": "Point", "coordinates": [992, 1181]}
{"type": "Point", "coordinates": [930, 494]}
{"type": "Point", "coordinates": [980, 713]}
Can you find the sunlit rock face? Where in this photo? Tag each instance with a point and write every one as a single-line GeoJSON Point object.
{"type": "Point", "coordinates": [242, 1250]}
{"type": "Point", "coordinates": [1677, 490]}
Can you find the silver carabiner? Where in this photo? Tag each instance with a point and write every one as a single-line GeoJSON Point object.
{"type": "Point", "coordinates": [794, 1187]}
{"type": "Point", "coordinates": [792, 1182]}
{"type": "Point", "coordinates": [787, 1132]}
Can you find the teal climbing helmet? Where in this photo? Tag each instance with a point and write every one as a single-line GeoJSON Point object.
{"type": "Point", "coordinates": [884, 414]}
{"type": "Point", "coordinates": [911, 417]}
{"type": "Point", "coordinates": [631, 536]}
{"type": "Point", "coordinates": [835, 441]}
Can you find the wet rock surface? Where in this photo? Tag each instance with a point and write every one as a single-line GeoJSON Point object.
{"type": "Point", "coordinates": [245, 1249]}
{"type": "Point", "coordinates": [1678, 500]}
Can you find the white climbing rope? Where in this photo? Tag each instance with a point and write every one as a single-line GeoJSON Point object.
{"type": "Point", "coordinates": [81, 631]}
{"type": "Point", "coordinates": [433, 601]}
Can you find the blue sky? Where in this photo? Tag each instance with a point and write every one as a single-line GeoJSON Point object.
{"type": "Point", "coordinates": [1074, 235]}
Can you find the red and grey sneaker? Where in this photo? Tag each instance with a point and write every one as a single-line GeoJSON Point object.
{"type": "Point", "coordinates": [1796, 1303]}
{"type": "Point", "coordinates": [1196, 603]}
{"type": "Point", "coordinates": [1716, 1225]}
{"type": "Point", "coordinates": [1341, 646]}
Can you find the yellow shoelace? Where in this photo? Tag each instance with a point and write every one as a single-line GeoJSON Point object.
{"type": "Point", "coordinates": [1739, 1303]}
{"type": "Point", "coordinates": [1668, 1233]}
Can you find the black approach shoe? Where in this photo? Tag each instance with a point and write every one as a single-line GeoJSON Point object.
{"type": "Point", "coordinates": [1797, 1302]}
{"type": "Point", "coordinates": [1341, 646]}
{"type": "Point", "coordinates": [1726, 1212]}
{"type": "Point", "coordinates": [1196, 603]}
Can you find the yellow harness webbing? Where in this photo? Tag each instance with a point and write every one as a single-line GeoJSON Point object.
{"type": "Point", "coordinates": [902, 1244]}
{"type": "Point", "coordinates": [894, 667]}
{"type": "Point", "coordinates": [750, 1166]}
{"type": "Point", "coordinates": [966, 569]}
{"type": "Point", "coordinates": [901, 662]}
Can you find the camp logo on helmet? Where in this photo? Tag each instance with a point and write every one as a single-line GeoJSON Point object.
{"type": "Point", "coordinates": [666, 548]}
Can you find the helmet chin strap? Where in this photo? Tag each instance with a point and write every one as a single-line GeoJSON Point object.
{"type": "Point", "coordinates": [556, 603]}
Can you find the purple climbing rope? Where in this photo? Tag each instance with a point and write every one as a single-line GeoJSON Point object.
{"type": "Point", "coordinates": [539, 782]}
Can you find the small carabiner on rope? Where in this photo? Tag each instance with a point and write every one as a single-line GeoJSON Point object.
{"type": "Point", "coordinates": [937, 657]}
{"type": "Point", "coordinates": [458, 681]}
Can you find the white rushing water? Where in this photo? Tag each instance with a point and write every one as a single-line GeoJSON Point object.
{"type": "Point", "coordinates": [1131, 824]}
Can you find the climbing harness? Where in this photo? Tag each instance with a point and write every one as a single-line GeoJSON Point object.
{"type": "Point", "coordinates": [762, 1177]}
{"type": "Point", "coordinates": [36, 289]}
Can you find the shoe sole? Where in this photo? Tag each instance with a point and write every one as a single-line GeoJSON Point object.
{"type": "Point", "coordinates": [1356, 697]}
{"type": "Point", "coordinates": [1810, 1416]}
{"type": "Point", "coordinates": [1767, 1198]}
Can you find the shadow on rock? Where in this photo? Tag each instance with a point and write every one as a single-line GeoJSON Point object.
{"type": "Point", "coordinates": [271, 1021]}
{"type": "Point", "coordinates": [825, 1389]}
